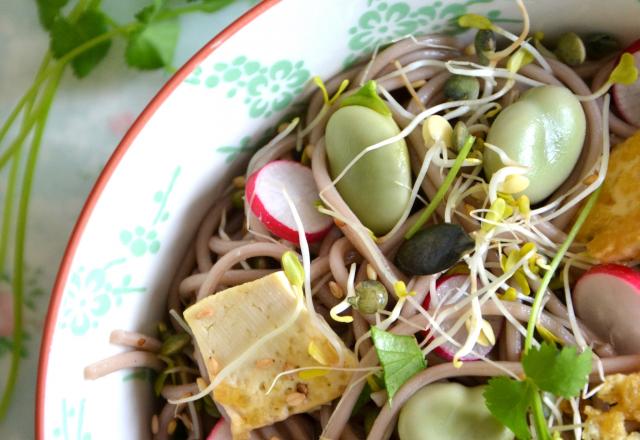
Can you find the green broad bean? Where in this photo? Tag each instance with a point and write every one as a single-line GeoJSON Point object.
{"type": "Point", "coordinates": [377, 187]}
{"type": "Point", "coordinates": [449, 411]}
{"type": "Point", "coordinates": [544, 130]}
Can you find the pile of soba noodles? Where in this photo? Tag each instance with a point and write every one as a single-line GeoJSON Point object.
{"type": "Point", "coordinates": [506, 247]}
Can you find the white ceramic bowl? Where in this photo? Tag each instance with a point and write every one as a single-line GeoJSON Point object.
{"type": "Point", "coordinates": [166, 172]}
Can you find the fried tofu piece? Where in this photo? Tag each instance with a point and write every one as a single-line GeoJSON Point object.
{"type": "Point", "coordinates": [611, 230]}
{"type": "Point", "coordinates": [230, 328]}
{"type": "Point", "coordinates": [622, 393]}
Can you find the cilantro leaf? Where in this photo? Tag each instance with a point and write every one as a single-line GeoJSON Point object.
{"type": "Point", "coordinates": [49, 10]}
{"type": "Point", "coordinates": [400, 358]}
{"type": "Point", "coordinates": [153, 46]}
{"type": "Point", "coordinates": [509, 400]}
{"type": "Point", "coordinates": [561, 372]}
{"type": "Point", "coordinates": [66, 36]}
{"type": "Point", "coordinates": [214, 5]}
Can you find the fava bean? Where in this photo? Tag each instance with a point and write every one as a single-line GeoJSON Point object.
{"type": "Point", "coordinates": [544, 130]}
{"type": "Point", "coordinates": [378, 187]}
{"type": "Point", "coordinates": [449, 411]}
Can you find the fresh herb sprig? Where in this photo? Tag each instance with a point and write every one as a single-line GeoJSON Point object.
{"type": "Point", "coordinates": [560, 372]}
{"type": "Point", "coordinates": [400, 358]}
{"type": "Point", "coordinates": [80, 36]}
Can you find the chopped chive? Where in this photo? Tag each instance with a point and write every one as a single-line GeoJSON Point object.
{"type": "Point", "coordinates": [433, 204]}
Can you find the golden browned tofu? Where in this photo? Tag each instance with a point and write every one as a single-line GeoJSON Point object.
{"type": "Point", "coordinates": [230, 327]}
{"type": "Point", "coordinates": [611, 230]}
{"type": "Point", "coordinates": [622, 393]}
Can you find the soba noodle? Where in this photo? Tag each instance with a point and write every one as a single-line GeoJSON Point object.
{"type": "Point", "coordinates": [410, 74]}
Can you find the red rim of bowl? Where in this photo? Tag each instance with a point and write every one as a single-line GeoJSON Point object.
{"type": "Point", "coordinates": [101, 183]}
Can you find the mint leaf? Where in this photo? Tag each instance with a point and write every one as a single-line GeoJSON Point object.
{"type": "Point", "coordinates": [560, 372]}
{"type": "Point", "coordinates": [153, 46]}
{"type": "Point", "coordinates": [509, 401]}
{"type": "Point", "coordinates": [49, 10]}
{"type": "Point", "coordinates": [400, 358]}
{"type": "Point", "coordinates": [66, 36]}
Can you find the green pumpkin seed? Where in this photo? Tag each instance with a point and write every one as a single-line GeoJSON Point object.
{"type": "Point", "coordinates": [433, 249]}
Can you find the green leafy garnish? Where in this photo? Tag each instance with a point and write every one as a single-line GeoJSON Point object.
{"type": "Point", "coordinates": [400, 358]}
{"type": "Point", "coordinates": [66, 36]}
{"type": "Point", "coordinates": [153, 46]}
{"type": "Point", "coordinates": [625, 72]}
{"type": "Point", "coordinates": [367, 96]}
{"type": "Point", "coordinates": [509, 401]}
{"type": "Point", "coordinates": [475, 21]}
{"type": "Point", "coordinates": [80, 35]}
{"type": "Point", "coordinates": [563, 373]}
{"type": "Point", "coordinates": [49, 10]}
{"type": "Point", "coordinates": [560, 372]}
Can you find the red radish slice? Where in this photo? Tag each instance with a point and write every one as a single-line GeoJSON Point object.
{"type": "Point", "coordinates": [607, 299]}
{"type": "Point", "coordinates": [627, 98]}
{"type": "Point", "coordinates": [221, 431]}
{"type": "Point", "coordinates": [265, 194]}
{"type": "Point", "coordinates": [448, 290]}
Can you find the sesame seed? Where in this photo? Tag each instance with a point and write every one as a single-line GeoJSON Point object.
{"type": "Point", "coordinates": [239, 182]}
{"type": "Point", "coordinates": [201, 384]}
{"type": "Point", "coordinates": [171, 427]}
{"type": "Point", "coordinates": [336, 290]}
{"type": "Point", "coordinates": [204, 313]}
{"type": "Point", "coordinates": [295, 399]}
{"type": "Point", "coordinates": [590, 179]}
{"type": "Point", "coordinates": [264, 363]}
{"type": "Point", "coordinates": [302, 388]}
{"type": "Point", "coordinates": [371, 272]}
{"type": "Point", "coordinates": [213, 365]}
{"type": "Point", "coordinates": [154, 424]}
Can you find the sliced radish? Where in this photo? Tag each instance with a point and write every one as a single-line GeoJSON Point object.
{"type": "Point", "coordinates": [607, 299]}
{"type": "Point", "coordinates": [221, 431]}
{"type": "Point", "coordinates": [265, 194]}
{"type": "Point", "coordinates": [627, 98]}
{"type": "Point", "coordinates": [448, 290]}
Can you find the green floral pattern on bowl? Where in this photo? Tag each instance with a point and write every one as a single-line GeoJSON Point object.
{"type": "Point", "coordinates": [265, 89]}
{"type": "Point", "coordinates": [72, 422]}
{"type": "Point", "coordinates": [92, 293]}
{"type": "Point", "coordinates": [386, 21]}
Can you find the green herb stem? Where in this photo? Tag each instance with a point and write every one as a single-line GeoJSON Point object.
{"type": "Point", "coordinates": [433, 204]}
{"type": "Point", "coordinates": [539, 422]}
{"type": "Point", "coordinates": [90, 44]}
{"type": "Point", "coordinates": [18, 270]}
{"type": "Point", "coordinates": [5, 232]}
{"type": "Point", "coordinates": [27, 97]}
{"type": "Point", "coordinates": [537, 302]}
{"type": "Point", "coordinates": [188, 9]}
